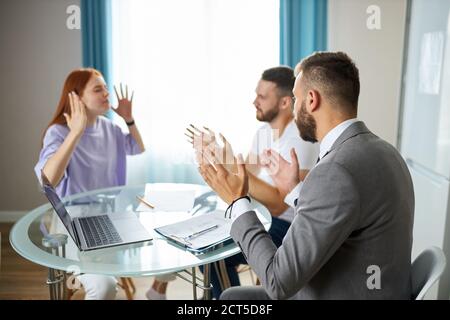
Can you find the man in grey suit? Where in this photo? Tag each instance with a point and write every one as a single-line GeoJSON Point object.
{"type": "Point", "coordinates": [351, 237]}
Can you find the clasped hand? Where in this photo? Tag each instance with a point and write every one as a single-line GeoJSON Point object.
{"type": "Point", "coordinates": [229, 186]}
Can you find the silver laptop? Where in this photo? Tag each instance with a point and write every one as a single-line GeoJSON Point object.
{"type": "Point", "coordinates": [97, 231]}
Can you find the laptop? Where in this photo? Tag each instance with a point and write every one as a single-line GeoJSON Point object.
{"type": "Point", "coordinates": [97, 231]}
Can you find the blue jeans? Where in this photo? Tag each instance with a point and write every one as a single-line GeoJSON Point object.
{"type": "Point", "coordinates": [277, 231]}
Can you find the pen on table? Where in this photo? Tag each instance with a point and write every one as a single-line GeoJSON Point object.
{"type": "Point", "coordinates": [195, 234]}
{"type": "Point", "coordinates": [145, 202]}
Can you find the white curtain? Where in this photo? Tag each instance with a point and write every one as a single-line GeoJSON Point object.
{"type": "Point", "coordinates": [191, 61]}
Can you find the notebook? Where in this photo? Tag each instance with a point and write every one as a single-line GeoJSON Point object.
{"type": "Point", "coordinates": [199, 234]}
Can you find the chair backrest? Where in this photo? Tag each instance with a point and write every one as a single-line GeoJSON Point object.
{"type": "Point", "coordinates": [426, 269]}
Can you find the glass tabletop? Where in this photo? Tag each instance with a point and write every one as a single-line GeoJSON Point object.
{"type": "Point", "coordinates": [139, 259]}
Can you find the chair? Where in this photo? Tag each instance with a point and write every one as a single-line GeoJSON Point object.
{"type": "Point", "coordinates": [426, 269]}
{"type": "Point", "coordinates": [127, 285]}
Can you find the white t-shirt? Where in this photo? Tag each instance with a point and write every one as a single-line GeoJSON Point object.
{"type": "Point", "coordinates": [307, 152]}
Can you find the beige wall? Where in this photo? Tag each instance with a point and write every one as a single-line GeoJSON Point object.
{"type": "Point", "coordinates": [377, 53]}
{"type": "Point", "coordinates": [37, 53]}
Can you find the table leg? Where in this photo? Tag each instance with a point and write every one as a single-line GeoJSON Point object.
{"type": "Point", "coordinates": [56, 284]}
{"type": "Point", "coordinates": [56, 279]}
{"type": "Point", "coordinates": [194, 284]}
{"type": "Point", "coordinates": [207, 282]}
{"type": "Point", "coordinates": [192, 279]}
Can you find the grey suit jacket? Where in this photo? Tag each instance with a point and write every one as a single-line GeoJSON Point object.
{"type": "Point", "coordinates": [354, 217]}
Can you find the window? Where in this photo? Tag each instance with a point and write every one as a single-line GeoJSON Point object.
{"type": "Point", "coordinates": [191, 61]}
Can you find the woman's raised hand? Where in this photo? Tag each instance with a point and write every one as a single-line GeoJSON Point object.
{"type": "Point", "coordinates": [124, 109]}
{"type": "Point", "coordinates": [77, 120]}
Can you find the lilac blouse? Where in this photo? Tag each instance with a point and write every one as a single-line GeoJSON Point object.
{"type": "Point", "coordinates": [98, 160]}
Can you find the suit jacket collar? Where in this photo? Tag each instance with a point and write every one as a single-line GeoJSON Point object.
{"type": "Point", "coordinates": [353, 130]}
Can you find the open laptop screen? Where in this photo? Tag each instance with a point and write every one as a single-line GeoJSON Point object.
{"type": "Point", "coordinates": [58, 206]}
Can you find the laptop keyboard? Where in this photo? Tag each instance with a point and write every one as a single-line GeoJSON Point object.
{"type": "Point", "coordinates": [99, 231]}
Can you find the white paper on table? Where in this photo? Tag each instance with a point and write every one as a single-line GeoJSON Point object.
{"type": "Point", "coordinates": [167, 200]}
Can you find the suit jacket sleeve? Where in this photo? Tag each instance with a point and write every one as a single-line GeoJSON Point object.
{"type": "Point", "coordinates": [327, 212]}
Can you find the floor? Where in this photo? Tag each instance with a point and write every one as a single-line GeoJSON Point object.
{"type": "Point", "coordinates": [22, 279]}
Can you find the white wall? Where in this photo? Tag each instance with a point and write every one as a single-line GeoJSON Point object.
{"type": "Point", "coordinates": [378, 55]}
{"type": "Point", "coordinates": [38, 51]}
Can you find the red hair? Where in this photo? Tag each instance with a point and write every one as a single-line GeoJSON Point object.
{"type": "Point", "coordinates": [76, 81]}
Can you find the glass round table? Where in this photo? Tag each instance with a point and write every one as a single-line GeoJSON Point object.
{"type": "Point", "coordinates": [41, 238]}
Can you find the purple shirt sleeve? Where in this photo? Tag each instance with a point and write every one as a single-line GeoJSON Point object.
{"type": "Point", "coordinates": [53, 139]}
{"type": "Point", "coordinates": [131, 146]}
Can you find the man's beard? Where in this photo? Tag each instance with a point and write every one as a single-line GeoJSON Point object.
{"type": "Point", "coordinates": [269, 115]}
{"type": "Point", "coordinates": [306, 124]}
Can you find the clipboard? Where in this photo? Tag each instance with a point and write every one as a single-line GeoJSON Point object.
{"type": "Point", "coordinates": [199, 234]}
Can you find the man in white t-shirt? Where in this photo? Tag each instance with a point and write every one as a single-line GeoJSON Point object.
{"type": "Point", "coordinates": [274, 106]}
{"type": "Point", "coordinates": [267, 139]}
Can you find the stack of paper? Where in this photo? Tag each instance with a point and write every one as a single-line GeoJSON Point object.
{"type": "Point", "coordinates": [167, 200]}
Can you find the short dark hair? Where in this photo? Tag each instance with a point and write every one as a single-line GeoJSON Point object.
{"type": "Point", "coordinates": [335, 74]}
{"type": "Point", "coordinates": [283, 77]}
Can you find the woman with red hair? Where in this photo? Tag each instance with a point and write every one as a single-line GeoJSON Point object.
{"type": "Point", "coordinates": [83, 151]}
